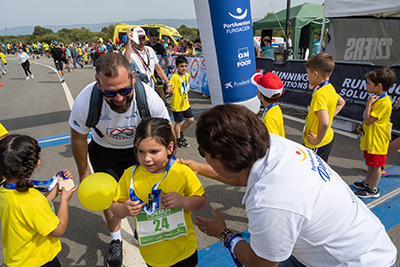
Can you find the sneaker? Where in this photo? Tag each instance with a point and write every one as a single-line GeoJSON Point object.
{"type": "Point", "coordinates": [81, 66]}
{"type": "Point", "coordinates": [182, 143]}
{"type": "Point", "coordinates": [27, 78]}
{"type": "Point", "coordinates": [32, 76]}
{"type": "Point", "coordinates": [115, 257]}
{"type": "Point", "coordinates": [69, 70]}
{"type": "Point", "coordinates": [384, 173]}
{"type": "Point", "coordinates": [361, 185]}
{"type": "Point", "coordinates": [367, 193]}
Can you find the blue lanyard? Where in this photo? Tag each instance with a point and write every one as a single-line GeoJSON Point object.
{"type": "Point", "coordinates": [153, 204]}
{"type": "Point", "coordinates": [184, 85]}
{"type": "Point", "coordinates": [268, 108]}
{"type": "Point", "coordinates": [319, 86]}
{"type": "Point", "coordinates": [48, 183]}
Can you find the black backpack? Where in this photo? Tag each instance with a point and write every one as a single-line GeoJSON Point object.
{"type": "Point", "coordinates": [96, 101]}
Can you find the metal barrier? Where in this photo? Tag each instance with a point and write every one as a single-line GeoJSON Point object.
{"type": "Point", "coordinates": [3, 69]}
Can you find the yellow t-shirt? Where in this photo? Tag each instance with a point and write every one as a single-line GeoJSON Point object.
{"type": "Point", "coordinates": [3, 58]}
{"type": "Point", "coordinates": [27, 221]}
{"type": "Point", "coordinates": [180, 179]}
{"type": "Point", "coordinates": [377, 135]}
{"type": "Point", "coordinates": [180, 101]}
{"type": "Point", "coordinates": [3, 131]}
{"type": "Point", "coordinates": [325, 98]}
{"type": "Point", "coordinates": [273, 119]}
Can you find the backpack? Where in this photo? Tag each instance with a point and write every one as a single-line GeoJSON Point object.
{"type": "Point", "coordinates": [96, 101]}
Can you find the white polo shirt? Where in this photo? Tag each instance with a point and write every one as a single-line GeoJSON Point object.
{"type": "Point", "coordinates": [145, 62]}
{"type": "Point", "coordinates": [297, 205]}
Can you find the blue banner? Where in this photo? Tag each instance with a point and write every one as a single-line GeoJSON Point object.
{"type": "Point", "coordinates": [233, 39]}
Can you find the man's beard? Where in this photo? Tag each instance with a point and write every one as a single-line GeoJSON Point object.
{"type": "Point", "coordinates": [121, 109]}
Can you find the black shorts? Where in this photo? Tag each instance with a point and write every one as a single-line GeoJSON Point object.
{"type": "Point", "coordinates": [59, 65]}
{"type": "Point", "coordinates": [324, 151]}
{"type": "Point", "coordinates": [54, 263]}
{"type": "Point", "coordinates": [178, 116]}
{"type": "Point", "coordinates": [111, 161]}
{"type": "Point", "coordinates": [188, 262]}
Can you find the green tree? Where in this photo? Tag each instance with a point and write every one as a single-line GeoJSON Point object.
{"type": "Point", "coordinates": [39, 31]}
{"type": "Point", "coordinates": [187, 32]}
{"type": "Point", "coordinates": [108, 32]}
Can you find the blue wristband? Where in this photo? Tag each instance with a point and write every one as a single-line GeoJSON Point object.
{"type": "Point", "coordinates": [231, 243]}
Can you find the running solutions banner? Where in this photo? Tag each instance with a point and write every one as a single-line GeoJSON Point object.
{"type": "Point", "coordinates": [348, 80]}
{"type": "Point", "coordinates": [227, 39]}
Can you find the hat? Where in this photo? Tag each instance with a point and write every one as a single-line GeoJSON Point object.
{"type": "Point", "coordinates": [137, 33]}
{"type": "Point", "coordinates": [55, 43]}
{"type": "Point", "coordinates": [269, 84]}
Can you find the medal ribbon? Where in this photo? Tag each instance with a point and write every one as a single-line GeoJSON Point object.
{"type": "Point", "coordinates": [153, 204]}
{"type": "Point", "coordinates": [268, 108]}
{"type": "Point", "coordinates": [48, 183]}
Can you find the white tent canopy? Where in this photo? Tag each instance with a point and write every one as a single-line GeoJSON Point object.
{"type": "Point", "coordinates": [347, 8]}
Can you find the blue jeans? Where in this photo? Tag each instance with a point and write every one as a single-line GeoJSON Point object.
{"type": "Point", "coordinates": [76, 61]}
{"type": "Point", "coordinates": [291, 262]}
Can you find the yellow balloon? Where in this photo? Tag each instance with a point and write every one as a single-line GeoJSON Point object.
{"type": "Point", "coordinates": [96, 192]}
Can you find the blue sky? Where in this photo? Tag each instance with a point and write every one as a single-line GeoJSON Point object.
{"type": "Point", "coordinates": [46, 12]}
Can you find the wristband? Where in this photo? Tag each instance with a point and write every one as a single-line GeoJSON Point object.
{"type": "Point", "coordinates": [169, 84]}
{"type": "Point", "coordinates": [231, 243]}
{"type": "Point", "coordinates": [223, 236]}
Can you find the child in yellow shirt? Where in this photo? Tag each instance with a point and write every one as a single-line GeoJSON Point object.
{"type": "Point", "coordinates": [325, 104]}
{"type": "Point", "coordinates": [376, 129]}
{"type": "Point", "coordinates": [269, 89]}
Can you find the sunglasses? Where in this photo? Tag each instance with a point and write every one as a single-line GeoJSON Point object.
{"type": "Point", "coordinates": [201, 152]}
{"type": "Point", "coordinates": [122, 92]}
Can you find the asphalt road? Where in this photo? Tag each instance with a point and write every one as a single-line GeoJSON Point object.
{"type": "Point", "coordinates": [39, 107]}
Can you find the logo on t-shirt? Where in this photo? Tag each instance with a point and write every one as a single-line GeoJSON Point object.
{"type": "Point", "coordinates": [121, 133]}
{"type": "Point", "coordinates": [319, 166]}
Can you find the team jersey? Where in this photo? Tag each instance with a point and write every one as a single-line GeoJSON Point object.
{"type": "Point", "coordinates": [273, 120]}
{"type": "Point", "coordinates": [377, 135]}
{"type": "Point", "coordinates": [27, 221]}
{"type": "Point", "coordinates": [180, 84]}
{"type": "Point", "coordinates": [180, 179]}
{"type": "Point", "coordinates": [325, 98]}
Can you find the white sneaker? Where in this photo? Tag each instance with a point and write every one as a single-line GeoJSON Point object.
{"type": "Point", "coordinates": [27, 77]}
{"type": "Point", "coordinates": [32, 76]}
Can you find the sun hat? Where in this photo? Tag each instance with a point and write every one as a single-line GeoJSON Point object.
{"type": "Point", "coordinates": [269, 84]}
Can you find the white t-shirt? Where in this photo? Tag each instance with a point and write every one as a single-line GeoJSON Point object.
{"type": "Point", "coordinates": [118, 129]}
{"type": "Point", "coordinates": [142, 62]}
{"type": "Point", "coordinates": [297, 205]}
{"type": "Point", "coordinates": [22, 57]}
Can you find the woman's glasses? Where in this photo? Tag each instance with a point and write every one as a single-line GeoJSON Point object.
{"type": "Point", "coordinates": [201, 152]}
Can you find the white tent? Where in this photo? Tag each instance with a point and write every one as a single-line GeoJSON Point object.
{"type": "Point", "coordinates": [347, 8]}
{"type": "Point", "coordinates": [366, 31]}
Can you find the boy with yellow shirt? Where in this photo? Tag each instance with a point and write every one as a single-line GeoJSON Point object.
{"type": "Point", "coordinates": [180, 100]}
{"type": "Point", "coordinates": [376, 129]}
{"type": "Point", "coordinates": [269, 89]}
{"type": "Point", "coordinates": [325, 104]}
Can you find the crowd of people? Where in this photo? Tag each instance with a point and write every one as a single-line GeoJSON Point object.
{"type": "Point", "coordinates": [305, 215]}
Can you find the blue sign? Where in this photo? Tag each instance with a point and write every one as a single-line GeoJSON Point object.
{"type": "Point", "coordinates": [233, 36]}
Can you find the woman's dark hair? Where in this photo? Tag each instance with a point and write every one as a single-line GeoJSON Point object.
{"type": "Point", "coordinates": [19, 156]}
{"type": "Point", "coordinates": [158, 129]}
{"type": "Point", "coordinates": [234, 135]}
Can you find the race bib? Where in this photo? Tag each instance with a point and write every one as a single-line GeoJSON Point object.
{"type": "Point", "coordinates": [161, 225]}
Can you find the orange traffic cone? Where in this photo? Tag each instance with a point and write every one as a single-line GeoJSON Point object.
{"type": "Point", "coordinates": [1, 84]}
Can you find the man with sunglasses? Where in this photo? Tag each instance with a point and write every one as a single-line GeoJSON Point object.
{"type": "Point", "coordinates": [145, 59]}
{"type": "Point", "coordinates": [113, 151]}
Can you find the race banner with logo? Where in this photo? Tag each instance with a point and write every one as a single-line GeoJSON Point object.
{"type": "Point", "coordinates": [365, 40]}
{"type": "Point", "coordinates": [197, 73]}
{"type": "Point", "coordinates": [348, 80]}
{"type": "Point", "coordinates": [227, 39]}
